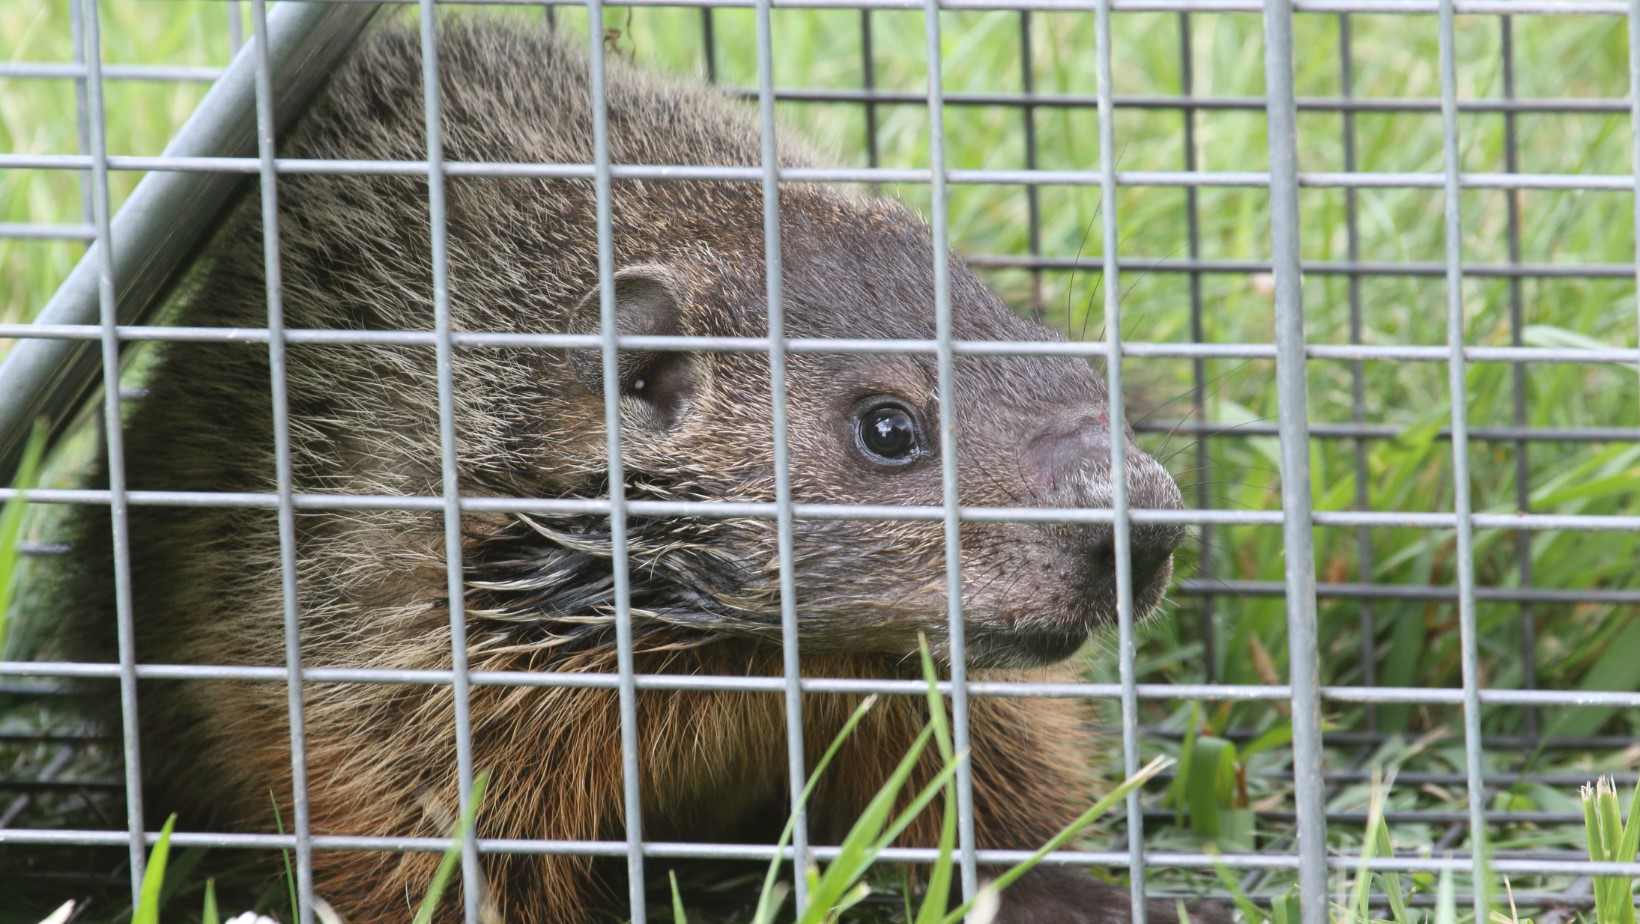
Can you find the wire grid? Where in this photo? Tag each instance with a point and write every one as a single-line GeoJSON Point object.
{"type": "Point", "coordinates": [1303, 692]}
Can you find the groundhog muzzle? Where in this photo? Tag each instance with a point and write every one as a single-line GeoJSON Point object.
{"type": "Point", "coordinates": [371, 583]}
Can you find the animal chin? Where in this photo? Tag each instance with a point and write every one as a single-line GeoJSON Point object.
{"type": "Point", "coordinates": [1034, 649]}
{"type": "Point", "coordinates": [1038, 637]}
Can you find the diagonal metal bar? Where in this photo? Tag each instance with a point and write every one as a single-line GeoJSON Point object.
{"type": "Point", "coordinates": [169, 216]}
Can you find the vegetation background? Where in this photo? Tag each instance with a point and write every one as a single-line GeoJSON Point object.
{"type": "Point", "coordinates": [1576, 61]}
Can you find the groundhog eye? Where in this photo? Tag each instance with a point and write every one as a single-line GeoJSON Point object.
{"type": "Point", "coordinates": [889, 434]}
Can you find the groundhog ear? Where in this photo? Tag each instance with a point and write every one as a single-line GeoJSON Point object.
{"type": "Point", "coordinates": [657, 384]}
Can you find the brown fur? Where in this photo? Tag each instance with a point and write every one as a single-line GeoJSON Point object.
{"type": "Point", "coordinates": [372, 586]}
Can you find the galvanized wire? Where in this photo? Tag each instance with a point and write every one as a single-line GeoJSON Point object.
{"type": "Point", "coordinates": [114, 447]}
{"type": "Point", "coordinates": [1462, 504]}
{"type": "Point", "coordinates": [790, 662]}
{"type": "Point", "coordinates": [304, 501]}
{"type": "Point", "coordinates": [1251, 179]}
{"type": "Point", "coordinates": [1127, 652]}
{"type": "Point", "coordinates": [950, 495]}
{"type": "Point", "coordinates": [472, 877]}
{"type": "Point", "coordinates": [1304, 660]}
{"type": "Point", "coordinates": [1295, 431]}
{"type": "Point", "coordinates": [631, 793]}
{"type": "Point", "coordinates": [266, 126]}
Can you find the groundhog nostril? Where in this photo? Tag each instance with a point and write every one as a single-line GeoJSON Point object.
{"type": "Point", "coordinates": [1148, 561]}
{"type": "Point", "coordinates": [1153, 547]}
{"type": "Point", "coordinates": [1103, 557]}
{"type": "Point", "coordinates": [1150, 551]}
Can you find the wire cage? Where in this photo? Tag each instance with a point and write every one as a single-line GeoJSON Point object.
{"type": "Point", "coordinates": [1367, 269]}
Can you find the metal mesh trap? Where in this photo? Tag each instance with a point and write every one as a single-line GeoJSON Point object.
{"type": "Point", "coordinates": [1369, 269]}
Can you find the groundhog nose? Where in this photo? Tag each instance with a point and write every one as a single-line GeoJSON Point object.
{"type": "Point", "coordinates": [1075, 450]}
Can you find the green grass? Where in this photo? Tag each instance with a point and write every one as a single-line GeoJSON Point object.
{"type": "Point", "coordinates": [836, 889]}
{"type": "Point", "coordinates": [1583, 646]}
{"type": "Point", "coordinates": [1611, 839]}
{"type": "Point", "coordinates": [11, 528]}
{"type": "Point", "coordinates": [153, 877]}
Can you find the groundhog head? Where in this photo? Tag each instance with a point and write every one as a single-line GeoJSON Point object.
{"type": "Point", "coordinates": [689, 259]}
{"type": "Point", "coordinates": [1030, 431]}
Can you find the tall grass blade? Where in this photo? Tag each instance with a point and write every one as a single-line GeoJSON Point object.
{"type": "Point", "coordinates": [678, 917]}
{"type": "Point", "coordinates": [1250, 912]}
{"type": "Point", "coordinates": [1611, 832]}
{"type": "Point", "coordinates": [773, 896]}
{"type": "Point", "coordinates": [1611, 817]}
{"type": "Point", "coordinates": [1627, 850]}
{"type": "Point", "coordinates": [1175, 795]}
{"type": "Point", "coordinates": [936, 703]}
{"type": "Point", "coordinates": [153, 878]}
{"type": "Point", "coordinates": [452, 855]}
{"type": "Point", "coordinates": [1630, 845]}
{"type": "Point", "coordinates": [1369, 844]}
{"type": "Point", "coordinates": [849, 899]}
{"type": "Point", "coordinates": [1446, 898]}
{"type": "Point", "coordinates": [210, 915]}
{"type": "Point", "coordinates": [937, 897]}
{"type": "Point", "coordinates": [11, 525]}
{"type": "Point", "coordinates": [918, 803]}
{"type": "Point", "coordinates": [1597, 846]}
{"type": "Point", "coordinates": [872, 832]}
{"type": "Point", "coordinates": [1377, 844]}
{"type": "Point", "coordinates": [1392, 880]}
{"type": "Point", "coordinates": [290, 874]}
{"type": "Point", "coordinates": [1610, 840]}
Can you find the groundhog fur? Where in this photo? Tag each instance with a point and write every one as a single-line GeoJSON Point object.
{"type": "Point", "coordinates": [355, 254]}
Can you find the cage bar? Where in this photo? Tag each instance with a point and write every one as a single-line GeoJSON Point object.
{"type": "Point", "coordinates": [618, 505]}
{"type": "Point", "coordinates": [268, 186]}
{"type": "Point", "coordinates": [772, 268]}
{"type": "Point", "coordinates": [105, 307]}
{"type": "Point", "coordinates": [114, 446]}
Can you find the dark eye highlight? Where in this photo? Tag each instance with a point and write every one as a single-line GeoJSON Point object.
{"type": "Point", "coordinates": [888, 433]}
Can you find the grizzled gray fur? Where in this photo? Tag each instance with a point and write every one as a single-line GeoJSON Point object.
{"type": "Point", "coordinates": [355, 255]}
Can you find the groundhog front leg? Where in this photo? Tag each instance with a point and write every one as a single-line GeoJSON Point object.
{"type": "Point", "coordinates": [1066, 895]}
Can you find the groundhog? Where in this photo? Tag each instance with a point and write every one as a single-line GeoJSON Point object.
{"type": "Point", "coordinates": [355, 255]}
